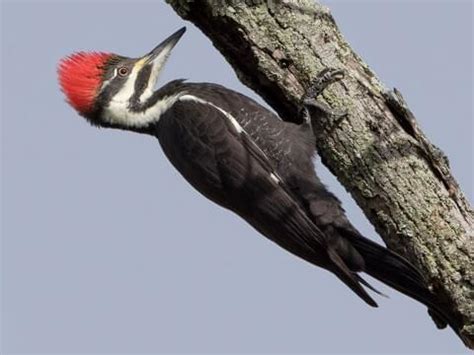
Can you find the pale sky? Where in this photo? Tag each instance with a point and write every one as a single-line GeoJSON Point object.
{"type": "Point", "coordinates": [105, 247]}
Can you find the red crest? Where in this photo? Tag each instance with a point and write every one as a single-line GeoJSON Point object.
{"type": "Point", "coordinates": [80, 76]}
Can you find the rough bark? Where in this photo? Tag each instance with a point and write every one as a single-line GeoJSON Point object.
{"type": "Point", "coordinates": [399, 179]}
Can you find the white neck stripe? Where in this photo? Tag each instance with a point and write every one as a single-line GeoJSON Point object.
{"type": "Point", "coordinates": [274, 177]}
{"type": "Point", "coordinates": [231, 118]}
{"type": "Point", "coordinates": [118, 111]}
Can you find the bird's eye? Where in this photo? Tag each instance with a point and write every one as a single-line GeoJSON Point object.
{"type": "Point", "coordinates": [123, 71]}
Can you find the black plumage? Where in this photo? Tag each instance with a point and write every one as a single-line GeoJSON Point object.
{"type": "Point", "coordinates": [265, 173]}
{"type": "Point", "coordinates": [246, 159]}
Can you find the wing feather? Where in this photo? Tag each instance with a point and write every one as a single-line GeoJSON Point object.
{"type": "Point", "coordinates": [246, 181]}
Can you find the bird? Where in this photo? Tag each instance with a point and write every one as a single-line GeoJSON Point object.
{"type": "Point", "coordinates": [244, 158]}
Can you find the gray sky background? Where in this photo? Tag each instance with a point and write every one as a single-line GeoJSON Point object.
{"type": "Point", "coordinates": [105, 248]}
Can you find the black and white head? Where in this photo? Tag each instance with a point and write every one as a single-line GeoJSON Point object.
{"type": "Point", "coordinates": [111, 90]}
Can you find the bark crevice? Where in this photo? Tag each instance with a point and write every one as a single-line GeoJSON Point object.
{"type": "Point", "coordinates": [401, 181]}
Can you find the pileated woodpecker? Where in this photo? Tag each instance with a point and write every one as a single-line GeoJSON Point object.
{"type": "Point", "coordinates": [241, 156]}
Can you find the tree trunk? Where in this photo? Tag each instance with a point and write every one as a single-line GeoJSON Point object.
{"type": "Point", "coordinates": [399, 179]}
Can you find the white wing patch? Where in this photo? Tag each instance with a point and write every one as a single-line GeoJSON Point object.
{"type": "Point", "coordinates": [273, 175]}
{"type": "Point", "coordinates": [275, 178]}
{"type": "Point", "coordinates": [231, 118]}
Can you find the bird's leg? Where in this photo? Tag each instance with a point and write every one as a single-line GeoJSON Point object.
{"type": "Point", "coordinates": [326, 77]}
{"type": "Point", "coordinates": [309, 102]}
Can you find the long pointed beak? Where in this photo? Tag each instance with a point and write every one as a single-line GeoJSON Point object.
{"type": "Point", "coordinates": [162, 51]}
{"type": "Point", "coordinates": [149, 67]}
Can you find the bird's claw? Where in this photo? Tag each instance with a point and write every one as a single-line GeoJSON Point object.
{"type": "Point", "coordinates": [325, 78]}
{"type": "Point", "coordinates": [320, 107]}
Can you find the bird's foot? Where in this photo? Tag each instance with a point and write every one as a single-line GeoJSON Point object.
{"type": "Point", "coordinates": [320, 108]}
{"type": "Point", "coordinates": [309, 103]}
{"type": "Point", "coordinates": [325, 78]}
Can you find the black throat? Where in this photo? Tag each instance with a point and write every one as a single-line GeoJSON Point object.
{"type": "Point", "coordinates": [169, 89]}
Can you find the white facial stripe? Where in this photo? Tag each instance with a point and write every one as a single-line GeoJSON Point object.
{"type": "Point", "coordinates": [106, 83]}
{"type": "Point", "coordinates": [118, 112]}
{"type": "Point", "coordinates": [124, 95]}
{"type": "Point", "coordinates": [158, 64]}
{"type": "Point", "coordinates": [275, 178]}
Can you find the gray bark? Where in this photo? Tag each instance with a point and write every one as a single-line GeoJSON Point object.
{"type": "Point", "coordinates": [400, 180]}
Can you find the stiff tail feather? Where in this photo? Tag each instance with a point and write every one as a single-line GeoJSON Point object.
{"type": "Point", "coordinates": [395, 271]}
{"type": "Point", "coordinates": [349, 277]}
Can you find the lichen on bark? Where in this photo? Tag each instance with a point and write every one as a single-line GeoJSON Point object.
{"type": "Point", "coordinates": [399, 179]}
